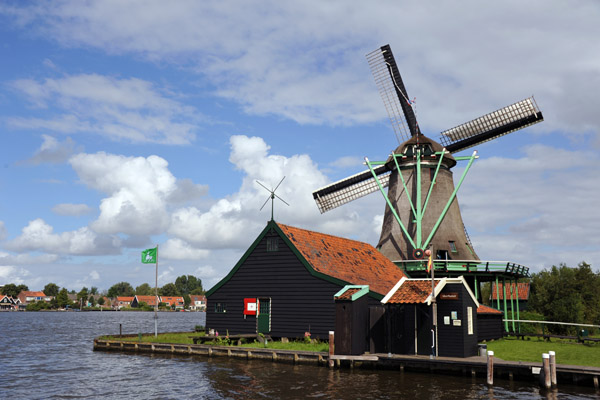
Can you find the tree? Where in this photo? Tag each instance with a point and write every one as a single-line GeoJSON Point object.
{"type": "Point", "coordinates": [62, 298]}
{"type": "Point", "coordinates": [144, 290]}
{"type": "Point", "coordinates": [564, 294]}
{"type": "Point", "coordinates": [92, 300]}
{"type": "Point", "coordinates": [83, 295]}
{"type": "Point", "coordinates": [186, 284]}
{"type": "Point", "coordinates": [94, 290]}
{"type": "Point", "coordinates": [51, 289]}
{"type": "Point", "coordinates": [101, 301]}
{"type": "Point", "coordinates": [170, 290]}
{"type": "Point", "coordinates": [198, 291]}
{"type": "Point", "coordinates": [121, 289]}
{"type": "Point", "coordinates": [13, 290]}
{"type": "Point", "coordinates": [187, 300]}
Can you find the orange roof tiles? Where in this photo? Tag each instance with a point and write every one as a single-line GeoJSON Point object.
{"type": "Point", "coordinates": [349, 260]}
{"type": "Point", "coordinates": [125, 298]}
{"type": "Point", "coordinates": [412, 291]}
{"type": "Point", "coordinates": [523, 291]}
{"type": "Point", "coordinates": [28, 293]}
{"type": "Point", "coordinates": [487, 310]}
{"type": "Point", "coordinates": [149, 300]}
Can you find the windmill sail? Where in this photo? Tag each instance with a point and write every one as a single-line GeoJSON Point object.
{"type": "Point", "coordinates": [393, 93]}
{"type": "Point", "coordinates": [351, 188]}
{"type": "Point", "coordinates": [492, 125]}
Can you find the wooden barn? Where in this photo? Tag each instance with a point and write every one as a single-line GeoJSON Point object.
{"type": "Point", "coordinates": [517, 293]}
{"type": "Point", "coordinates": [284, 284]}
{"type": "Point", "coordinates": [409, 318]}
{"type": "Point", "coordinates": [489, 323]}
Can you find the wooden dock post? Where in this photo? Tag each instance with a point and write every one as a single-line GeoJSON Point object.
{"type": "Point", "coordinates": [331, 342]}
{"type": "Point", "coordinates": [546, 364]}
{"type": "Point", "coordinates": [490, 368]}
{"type": "Point", "coordinates": [553, 368]}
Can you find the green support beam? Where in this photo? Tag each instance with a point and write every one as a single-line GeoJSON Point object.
{"type": "Point", "coordinates": [389, 203]}
{"type": "Point", "coordinates": [505, 309]}
{"type": "Point", "coordinates": [512, 306]}
{"type": "Point", "coordinates": [518, 316]}
{"type": "Point", "coordinates": [497, 295]}
{"type": "Point", "coordinates": [450, 200]}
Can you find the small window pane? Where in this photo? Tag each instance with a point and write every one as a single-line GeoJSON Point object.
{"type": "Point", "coordinates": [273, 244]}
{"type": "Point", "coordinates": [452, 246]}
{"type": "Point", "coordinates": [220, 307]}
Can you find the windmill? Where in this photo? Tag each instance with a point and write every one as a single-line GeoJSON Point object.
{"type": "Point", "coordinates": [272, 196]}
{"type": "Point", "coordinates": [421, 206]}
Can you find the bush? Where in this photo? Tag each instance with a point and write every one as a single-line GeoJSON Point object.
{"type": "Point", "coordinates": [527, 327]}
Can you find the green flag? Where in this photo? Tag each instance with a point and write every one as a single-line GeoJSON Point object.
{"type": "Point", "coordinates": [149, 256]}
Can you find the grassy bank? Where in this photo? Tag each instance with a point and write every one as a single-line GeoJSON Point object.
{"type": "Point", "coordinates": [567, 352]}
{"type": "Point", "coordinates": [184, 338]}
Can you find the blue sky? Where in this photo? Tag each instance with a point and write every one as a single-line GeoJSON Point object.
{"type": "Point", "coordinates": [127, 124]}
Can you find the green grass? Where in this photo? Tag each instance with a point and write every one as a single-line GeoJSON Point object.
{"type": "Point", "coordinates": [184, 338]}
{"type": "Point", "coordinates": [567, 351]}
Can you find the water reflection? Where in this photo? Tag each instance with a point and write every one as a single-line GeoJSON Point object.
{"type": "Point", "coordinates": [49, 355]}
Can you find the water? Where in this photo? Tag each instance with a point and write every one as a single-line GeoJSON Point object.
{"type": "Point", "coordinates": [48, 355]}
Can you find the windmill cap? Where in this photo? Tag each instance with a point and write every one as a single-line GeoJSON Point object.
{"type": "Point", "coordinates": [449, 160]}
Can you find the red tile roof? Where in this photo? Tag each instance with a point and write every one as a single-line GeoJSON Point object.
{"type": "Point", "coordinates": [412, 291]}
{"type": "Point", "coordinates": [149, 300]}
{"type": "Point", "coordinates": [170, 300]}
{"type": "Point", "coordinates": [349, 260]}
{"type": "Point", "coordinates": [523, 291]}
{"type": "Point", "coordinates": [487, 310]}
{"type": "Point", "coordinates": [126, 299]}
{"type": "Point", "coordinates": [27, 293]}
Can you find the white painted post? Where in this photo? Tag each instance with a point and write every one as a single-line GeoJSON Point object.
{"type": "Point", "coordinates": [546, 364]}
{"type": "Point", "coordinates": [331, 342]}
{"type": "Point", "coordinates": [553, 368]}
{"type": "Point", "coordinates": [490, 368]}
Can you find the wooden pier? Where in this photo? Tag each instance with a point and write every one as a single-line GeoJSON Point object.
{"type": "Point", "coordinates": [470, 366]}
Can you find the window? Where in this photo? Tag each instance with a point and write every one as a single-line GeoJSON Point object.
{"type": "Point", "coordinates": [220, 307]}
{"type": "Point", "coordinates": [452, 246]}
{"type": "Point", "coordinates": [273, 244]}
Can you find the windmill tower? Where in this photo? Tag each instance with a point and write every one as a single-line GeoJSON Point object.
{"type": "Point", "coordinates": [422, 210]}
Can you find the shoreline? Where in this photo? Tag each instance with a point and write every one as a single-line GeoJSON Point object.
{"type": "Point", "coordinates": [473, 367]}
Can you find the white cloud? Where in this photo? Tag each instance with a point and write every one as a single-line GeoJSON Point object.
{"type": "Point", "coordinates": [177, 249]}
{"type": "Point", "coordinates": [539, 210]}
{"type": "Point", "coordinates": [130, 110]}
{"type": "Point", "coordinates": [11, 274]}
{"type": "Point", "coordinates": [305, 61]}
{"type": "Point", "coordinates": [220, 226]}
{"type": "Point", "coordinates": [53, 151]}
{"type": "Point", "coordinates": [71, 209]}
{"type": "Point", "coordinates": [39, 236]}
{"type": "Point", "coordinates": [137, 187]}
{"type": "Point", "coordinates": [3, 232]}
{"type": "Point", "coordinates": [27, 259]}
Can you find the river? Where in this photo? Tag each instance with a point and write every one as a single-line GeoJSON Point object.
{"type": "Point", "coordinates": [48, 355]}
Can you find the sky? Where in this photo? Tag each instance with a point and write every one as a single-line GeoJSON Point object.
{"type": "Point", "coordinates": [130, 124]}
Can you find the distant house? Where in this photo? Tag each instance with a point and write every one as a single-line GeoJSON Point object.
{"type": "Point", "coordinates": [284, 284]}
{"type": "Point", "coordinates": [197, 303]}
{"type": "Point", "coordinates": [27, 297]}
{"type": "Point", "coordinates": [122, 301]}
{"type": "Point", "coordinates": [172, 301]}
{"type": "Point", "coordinates": [149, 300]}
{"type": "Point", "coordinates": [9, 303]}
{"type": "Point", "coordinates": [523, 295]}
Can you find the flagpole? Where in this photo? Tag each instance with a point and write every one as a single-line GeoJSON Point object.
{"type": "Point", "coordinates": [156, 299]}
